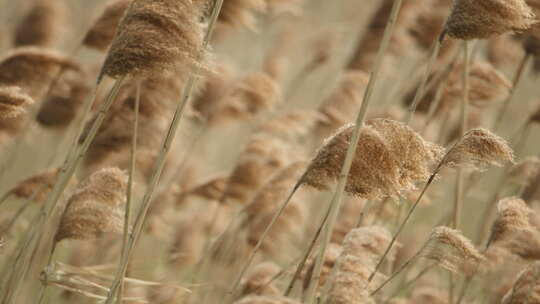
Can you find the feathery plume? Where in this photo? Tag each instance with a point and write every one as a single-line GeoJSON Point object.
{"type": "Point", "coordinates": [101, 34]}
{"type": "Point", "coordinates": [289, 125]}
{"type": "Point", "coordinates": [42, 25]}
{"type": "Point", "coordinates": [261, 157]}
{"type": "Point", "coordinates": [526, 289]}
{"type": "Point", "coordinates": [36, 186]}
{"type": "Point", "coordinates": [525, 170]}
{"type": "Point", "coordinates": [212, 91]}
{"type": "Point", "coordinates": [60, 108]}
{"type": "Point", "coordinates": [452, 251]}
{"type": "Point", "coordinates": [258, 280]}
{"type": "Point", "coordinates": [478, 148]}
{"type": "Point", "coordinates": [390, 158]}
{"type": "Point", "coordinates": [289, 226]}
{"type": "Point", "coordinates": [32, 68]}
{"type": "Point", "coordinates": [480, 19]}
{"type": "Point", "coordinates": [252, 95]}
{"type": "Point", "coordinates": [342, 104]}
{"type": "Point", "coordinates": [513, 214]}
{"type": "Point", "coordinates": [155, 36]}
{"type": "Point", "coordinates": [13, 102]}
{"type": "Point", "coordinates": [524, 243]}
{"type": "Point", "coordinates": [236, 13]}
{"type": "Point", "coordinates": [266, 300]}
{"type": "Point", "coordinates": [211, 189]}
{"type": "Point", "coordinates": [331, 256]}
{"type": "Point", "coordinates": [96, 206]}
{"type": "Point", "coordinates": [189, 241]}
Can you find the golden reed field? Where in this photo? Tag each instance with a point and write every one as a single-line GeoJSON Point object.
{"type": "Point", "coordinates": [270, 151]}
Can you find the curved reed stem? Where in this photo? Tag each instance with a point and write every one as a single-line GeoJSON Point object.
{"type": "Point", "coordinates": [421, 88]}
{"type": "Point", "coordinates": [45, 224]}
{"type": "Point", "coordinates": [458, 199]}
{"type": "Point", "coordinates": [159, 164]}
{"type": "Point", "coordinates": [515, 83]}
{"type": "Point", "coordinates": [336, 202]}
{"type": "Point", "coordinates": [129, 194]}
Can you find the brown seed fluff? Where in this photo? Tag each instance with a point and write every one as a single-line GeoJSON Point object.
{"type": "Point", "coordinates": [390, 158]}
{"type": "Point", "coordinates": [241, 12]}
{"type": "Point", "coordinates": [290, 225]}
{"type": "Point", "coordinates": [60, 108]}
{"type": "Point", "coordinates": [526, 288]}
{"type": "Point", "coordinates": [156, 35]}
{"type": "Point", "coordinates": [96, 207]}
{"type": "Point", "coordinates": [13, 102]}
{"type": "Point", "coordinates": [266, 299]}
{"type": "Point", "coordinates": [32, 68]}
{"type": "Point", "coordinates": [101, 34]}
{"type": "Point", "coordinates": [525, 171]}
{"type": "Point", "coordinates": [478, 148]}
{"type": "Point", "coordinates": [342, 104]}
{"type": "Point", "coordinates": [262, 156]}
{"type": "Point", "coordinates": [480, 19]}
{"type": "Point", "coordinates": [258, 280]}
{"type": "Point", "coordinates": [453, 251]}
{"type": "Point", "coordinates": [36, 186]}
{"type": "Point", "coordinates": [513, 214]}
{"type": "Point", "coordinates": [42, 25]}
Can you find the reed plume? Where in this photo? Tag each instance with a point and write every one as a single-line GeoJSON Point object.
{"type": "Point", "coordinates": [258, 280]}
{"type": "Point", "coordinates": [289, 226]}
{"type": "Point", "coordinates": [37, 186]}
{"type": "Point", "coordinates": [290, 125]}
{"type": "Point", "coordinates": [478, 149]}
{"type": "Point", "coordinates": [96, 207]}
{"type": "Point", "coordinates": [236, 13]}
{"type": "Point", "coordinates": [339, 108]}
{"type": "Point", "coordinates": [330, 258]}
{"type": "Point", "coordinates": [60, 108]}
{"type": "Point", "coordinates": [13, 102]}
{"type": "Point", "coordinates": [385, 164]}
{"type": "Point", "coordinates": [453, 251]}
{"type": "Point", "coordinates": [526, 288]}
{"type": "Point", "coordinates": [266, 300]}
{"type": "Point", "coordinates": [156, 36]}
{"type": "Point", "coordinates": [261, 157]}
{"type": "Point", "coordinates": [32, 69]}
{"type": "Point", "coordinates": [101, 33]}
{"type": "Point", "coordinates": [513, 215]}
{"type": "Point", "coordinates": [43, 24]}
{"type": "Point", "coordinates": [480, 19]}
{"type": "Point", "coordinates": [524, 243]}
{"type": "Point", "coordinates": [524, 171]}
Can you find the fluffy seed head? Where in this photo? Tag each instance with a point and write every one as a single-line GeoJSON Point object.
{"type": "Point", "coordinates": [258, 280]}
{"type": "Point", "coordinates": [36, 187]}
{"type": "Point", "coordinates": [266, 300]}
{"type": "Point", "coordinates": [13, 102]}
{"type": "Point", "coordinates": [525, 171]}
{"type": "Point", "coordinates": [236, 13]}
{"type": "Point", "coordinates": [262, 156]}
{"type": "Point", "coordinates": [42, 25]}
{"type": "Point", "coordinates": [513, 214]}
{"type": "Point", "coordinates": [480, 19]}
{"type": "Point", "coordinates": [32, 69]}
{"type": "Point", "coordinates": [369, 243]}
{"type": "Point", "coordinates": [478, 148]}
{"type": "Point", "coordinates": [453, 251]}
{"type": "Point", "coordinates": [524, 243]}
{"type": "Point", "coordinates": [390, 158]}
{"type": "Point", "coordinates": [333, 252]}
{"type": "Point", "coordinates": [526, 288]}
{"type": "Point", "coordinates": [345, 100]}
{"type": "Point", "coordinates": [96, 206]}
{"type": "Point", "coordinates": [101, 34]}
{"type": "Point", "coordinates": [154, 36]}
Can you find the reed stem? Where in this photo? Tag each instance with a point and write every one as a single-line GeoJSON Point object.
{"type": "Point", "coordinates": [336, 202]}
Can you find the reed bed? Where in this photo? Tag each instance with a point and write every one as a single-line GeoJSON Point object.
{"type": "Point", "coordinates": [270, 152]}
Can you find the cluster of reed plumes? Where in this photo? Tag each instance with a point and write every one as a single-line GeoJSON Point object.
{"type": "Point", "coordinates": [270, 152]}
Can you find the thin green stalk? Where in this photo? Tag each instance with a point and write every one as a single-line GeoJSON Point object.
{"type": "Point", "coordinates": [44, 224]}
{"type": "Point", "coordinates": [159, 164]}
{"type": "Point", "coordinates": [129, 194]}
{"type": "Point", "coordinates": [515, 83]}
{"type": "Point", "coordinates": [336, 202]}
{"type": "Point", "coordinates": [421, 89]}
